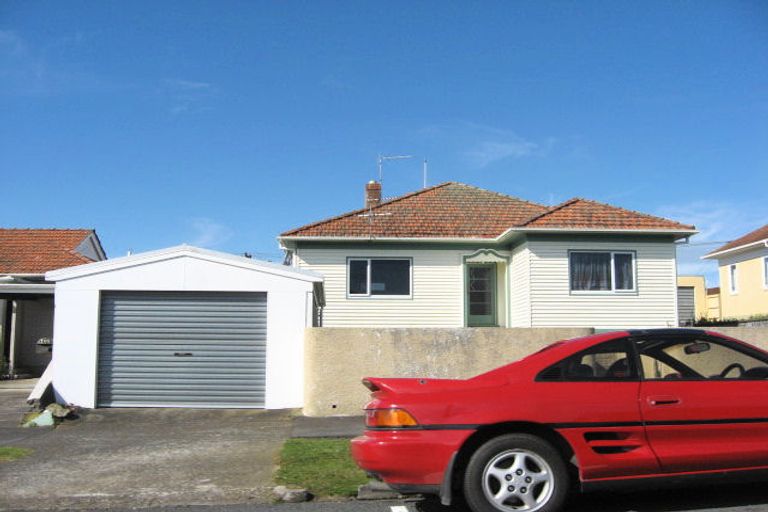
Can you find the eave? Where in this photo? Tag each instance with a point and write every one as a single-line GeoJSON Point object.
{"type": "Point", "coordinates": [289, 242]}
{"type": "Point", "coordinates": [734, 250]}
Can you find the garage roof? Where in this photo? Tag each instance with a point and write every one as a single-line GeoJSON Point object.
{"type": "Point", "coordinates": [181, 251]}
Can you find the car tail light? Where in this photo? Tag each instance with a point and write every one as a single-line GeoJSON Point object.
{"type": "Point", "coordinates": [389, 418]}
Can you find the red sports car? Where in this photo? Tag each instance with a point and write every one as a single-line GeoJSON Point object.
{"type": "Point", "coordinates": [615, 407]}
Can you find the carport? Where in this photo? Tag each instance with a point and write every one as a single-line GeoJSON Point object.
{"type": "Point", "coordinates": [182, 327]}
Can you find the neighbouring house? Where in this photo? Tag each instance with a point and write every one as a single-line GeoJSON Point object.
{"type": "Point", "coordinates": [182, 327]}
{"type": "Point", "coordinates": [454, 255]}
{"type": "Point", "coordinates": [26, 298]}
{"type": "Point", "coordinates": [691, 299]}
{"type": "Point", "coordinates": [713, 303]}
{"type": "Point", "coordinates": [743, 267]}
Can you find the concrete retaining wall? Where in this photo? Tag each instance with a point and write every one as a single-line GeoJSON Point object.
{"type": "Point", "coordinates": [757, 336]}
{"type": "Point", "coordinates": [337, 358]}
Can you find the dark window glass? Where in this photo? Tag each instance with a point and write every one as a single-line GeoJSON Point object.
{"type": "Point", "coordinates": [358, 277]}
{"type": "Point", "coordinates": [624, 275]}
{"type": "Point", "coordinates": [480, 290]}
{"type": "Point", "coordinates": [608, 361]}
{"type": "Point", "coordinates": [590, 271]}
{"type": "Point", "coordinates": [390, 277]}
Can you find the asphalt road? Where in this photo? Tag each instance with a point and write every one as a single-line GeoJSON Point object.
{"type": "Point", "coordinates": [730, 498]}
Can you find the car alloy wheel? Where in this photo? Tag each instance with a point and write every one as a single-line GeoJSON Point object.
{"type": "Point", "coordinates": [516, 473]}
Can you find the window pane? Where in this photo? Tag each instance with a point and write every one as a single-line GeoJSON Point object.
{"type": "Point", "coordinates": [358, 277]}
{"type": "Point", "coordinates": [590, 271]}
{"type": "Point", "coordinates": [692, 359]}
{"type": "Point", "coordinates": [390, 277]}
{"type": "Point", "coordinates": [624, 277]}
{"type": "Point", "coordinates": [608, 361]}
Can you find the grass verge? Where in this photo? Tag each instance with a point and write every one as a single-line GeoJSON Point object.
{"type": "Point", "coordinates": [322, 466]}
{"type": "Point", "coordinates": [9, 453]}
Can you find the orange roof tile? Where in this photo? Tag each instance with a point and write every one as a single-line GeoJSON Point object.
{"type": "Point", "coordinates": [36, 251]}
{"type": "Point", "coordinates": [758, 235]}
{"type": "Point", "coordinates": [578, 213]}
{"type": "Point", "coordinates": [456, 210]}
{"type": "Point", "coordinates": [449, 210]}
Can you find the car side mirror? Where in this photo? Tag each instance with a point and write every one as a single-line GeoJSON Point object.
{"type": "Point", "coordinates": [697, 348]}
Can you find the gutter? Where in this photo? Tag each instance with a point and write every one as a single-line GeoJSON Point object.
{"type": "Point", "coordinates": [740, 248]}
{"type": "Point", "coordinates": [287, 242]}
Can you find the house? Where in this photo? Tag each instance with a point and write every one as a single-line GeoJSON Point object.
{"type": "Point", "coordinates": [182, 327]}
{"type": "Point", "coordinates": [713, 303]}
{"type": "Point", "coordinates": [743, 267]}
{"type": "Point", "coordinates": [454, 255]}
{"type": "Point", "coordinates": [691, 299]}
{"type": "Point", "coordinates": [26, 298]}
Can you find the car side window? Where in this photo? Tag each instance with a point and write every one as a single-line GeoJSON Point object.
{"type": "Point", "coordinates": [692, 358]}
{"type": "Point", "coordinates": [609, 361]}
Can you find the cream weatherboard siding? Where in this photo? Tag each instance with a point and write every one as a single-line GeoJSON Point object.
{"type": "Point", "coordinates": [437, 293]}
{"type": "Point", "coordinates": [520, 287]}
{"type": "Point", "coordinates": [654, 304]}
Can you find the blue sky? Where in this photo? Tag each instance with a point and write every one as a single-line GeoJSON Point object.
{"type": "Point", "coordinates": [222, 124]}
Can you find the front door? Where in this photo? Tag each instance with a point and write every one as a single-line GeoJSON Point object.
{"type": "Point", "coordinates": [481, 295]}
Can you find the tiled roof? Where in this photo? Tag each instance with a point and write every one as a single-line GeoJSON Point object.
{"type": "Point", "coordinates": [752, 237]}
{"type": "Point", "coordinates": [36, 251]}
{"type": "Point", "coordinates": [456, 210]}
{"type": "Point", "coordinates": [449, 210]}
{"type": "Point", "coordinates": [581, 213]}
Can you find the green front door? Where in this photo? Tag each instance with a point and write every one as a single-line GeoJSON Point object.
{"type": "Point", "coordinates": [481, 295]}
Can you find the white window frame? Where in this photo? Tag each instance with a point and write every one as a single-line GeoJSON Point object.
{"type": "Point", "coordinates": [613, 290]}
{"type": "Point", "coordinates": [765, 272]}
{"type": "Point", "coordinates": [733, 279]}
{"type": "Point", "coordinates": [368, 295]}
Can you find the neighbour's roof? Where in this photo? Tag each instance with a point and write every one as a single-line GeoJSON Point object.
{"type": "Point", "coordinates": [170, 253]}
{"type": "Point", "coordinates": [455, 210]}
{"type": "Point", "coordinates": [713, 291]}
{"type": "Point", "coordinates": [581, 213]}
{"type": "Point", "coordinates": [753, 237]}
{"type": "Point", "coordinates": [36, 251]}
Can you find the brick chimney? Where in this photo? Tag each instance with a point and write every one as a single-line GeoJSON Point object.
{"type": "Point", "coordinates": [372, 194]}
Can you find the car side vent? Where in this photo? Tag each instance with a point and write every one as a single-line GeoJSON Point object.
{"type": "Point", "coordinates": [610, 450]}
{"type": "Point", "coordinates": [605, 436]}
{"type": "Point", "coordinates": [551, 373]}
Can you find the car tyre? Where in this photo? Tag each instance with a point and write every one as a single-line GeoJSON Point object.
{"type": "Point", "coordinates": [516, 473]}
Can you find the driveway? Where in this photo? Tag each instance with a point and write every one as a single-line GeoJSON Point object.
{"type": "Point", "coordinates": [141, 457]}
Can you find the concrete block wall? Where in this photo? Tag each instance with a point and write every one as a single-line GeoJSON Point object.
{"type": "Point", "coordinates": [336, 359]}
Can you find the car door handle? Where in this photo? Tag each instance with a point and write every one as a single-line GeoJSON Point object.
{"type": "Point", "coordinates": [182, 354]}
{"type": "Point", "coordinates": [661, 401]}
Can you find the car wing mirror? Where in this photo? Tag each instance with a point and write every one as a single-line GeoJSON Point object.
{"type": "Point", "coordinates": [697, 348]}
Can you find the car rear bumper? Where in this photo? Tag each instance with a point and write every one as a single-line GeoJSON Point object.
{"type": "Point", "coordinates": [407, 459]}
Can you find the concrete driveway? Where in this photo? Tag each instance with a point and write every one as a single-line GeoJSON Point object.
{"type": "Point", "coordinates": [141, 457]}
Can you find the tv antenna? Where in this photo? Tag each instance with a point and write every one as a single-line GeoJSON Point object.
{"type": "Point", "coordinates": [384, 158]}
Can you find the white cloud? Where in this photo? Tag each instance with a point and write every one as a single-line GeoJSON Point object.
{"type": "Point", "coordinates": [209, 233]}
{"type": "Point", "coordinates": [481, 146]}
{"type": "Point", "coordinates": [187, 96]}
{"type": "Point", "coordinates": [718, 223]}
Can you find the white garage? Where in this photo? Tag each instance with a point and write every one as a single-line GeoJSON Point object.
{"type": "Point", "coordinates": [182, 327]}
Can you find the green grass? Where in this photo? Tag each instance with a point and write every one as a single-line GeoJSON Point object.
{"type": "Point", "coordinates": [9, 453]}
{"type": "Point", "coordinates": [322, 466]}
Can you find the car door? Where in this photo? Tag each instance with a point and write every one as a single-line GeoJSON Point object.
{"type": "Point", "coordinates": [704, 401]}
{"type": "Point", "coordinates": [590, 398]}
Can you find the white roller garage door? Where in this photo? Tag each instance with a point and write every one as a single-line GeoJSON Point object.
{"type": "Point", "coordinates": [170, 349]}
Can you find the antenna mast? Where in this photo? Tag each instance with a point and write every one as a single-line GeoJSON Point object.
{"type": "Point", "coordinates": [383, 158]}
